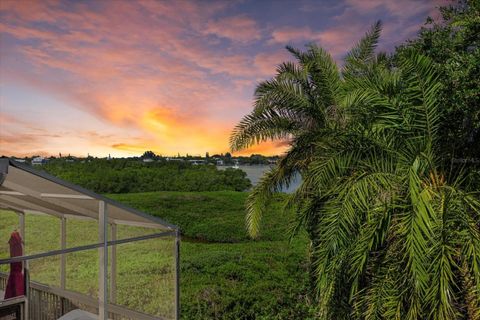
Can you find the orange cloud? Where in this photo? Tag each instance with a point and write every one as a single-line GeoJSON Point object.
{"type": "Point", "coordinates": [267, 148]}
{"type": "Point", "coordinates": [135, 149]}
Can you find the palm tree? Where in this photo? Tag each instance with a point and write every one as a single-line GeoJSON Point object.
{"type": "Point", "coordinates": [302, 105]}
{"type": "Point", "coordinates": [394, 234]}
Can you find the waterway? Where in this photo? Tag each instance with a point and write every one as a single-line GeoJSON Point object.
{"type": "Point", "coordinates": [255, 173]}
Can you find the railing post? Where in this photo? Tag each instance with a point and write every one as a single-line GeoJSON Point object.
{"type": "Point", "coordinates": [177, 274]}
{"type": "Point", "coordinates": [102, 262]}
{"type": "Point", "coordinates": [113, 262]}
{"type": "Point", "coordinates": [26, 276]}
{"type": "Point", "coordinates": [63, 257]}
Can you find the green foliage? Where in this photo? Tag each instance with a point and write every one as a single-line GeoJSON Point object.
{"type": "Point", "coordinates": [254, 159]}
{"type": "Point", "coordinates": [149, 155]}
{"type": "Point", "coordinates": [127, 175]}
{"type": "Point", "coordinates": [253, 280]}
{"type": "Point", "coordinates": [224, 275]}
{"type": "Point", "coordinates": [210, 216]}
{"type": "Point", "coordinates": [394, 232]}
{"type": "Point", "coordinates": [453, 44]}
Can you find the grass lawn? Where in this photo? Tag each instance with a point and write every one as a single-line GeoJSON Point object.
{"type": "Point", "coordinates": [224, 274]}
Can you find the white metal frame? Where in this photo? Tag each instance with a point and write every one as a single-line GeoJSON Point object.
{"type": "Point", "coordinates": [13, 199]}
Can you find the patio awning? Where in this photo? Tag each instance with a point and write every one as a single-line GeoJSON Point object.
{"type": "Point", "coordinates": [25, 189]}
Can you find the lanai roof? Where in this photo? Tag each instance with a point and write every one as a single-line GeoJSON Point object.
{"type": "Point", "coordinates": [25, 189]}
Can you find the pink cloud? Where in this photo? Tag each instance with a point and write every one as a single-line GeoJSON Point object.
{"type": "Point", "coordinates": [337, 40]}
{"type": "Point", "coordinates": [236, 28]}
{"type": "Point", "coordinates": [286, 34]}
{"type": "Point", "coordinates": [351, 25]}
{"type": "Point", "coordinates": [115, 77]}
{"type": "Point", "coordinates": [398, 26]}
{"type": "Point", "coordinates": [266, 62]}
{"type": "Point", "coordinates": [403, 9]}
{"type": "Point", "coordinates": [158, 71]}
{"type": "Point", "coordinates": [15, 142]}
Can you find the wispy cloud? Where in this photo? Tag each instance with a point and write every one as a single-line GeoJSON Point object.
{"type": "Point", "coordinates": [176, 76]}
{"type": "Point", "coordinates": [237, 28]}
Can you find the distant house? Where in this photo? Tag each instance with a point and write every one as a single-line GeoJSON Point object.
{"type": "Point", "coordinates": [20, 160]}
{"type": "Point", "coordinates": [146, 160]}
{"type": "Point", "coordinates": [196, 162]}
{"type": "Point", "coordinates": [39, 161]}
{"type": "Point", "coordinates": [220, 163]}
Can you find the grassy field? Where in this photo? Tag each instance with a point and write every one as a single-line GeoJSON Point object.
{"type": "Point", "coordinates": [224, 274]}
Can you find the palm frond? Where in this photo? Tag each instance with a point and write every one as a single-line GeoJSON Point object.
{"type": "Point", "coordinates": [255, 128]}
{"type": "Point", "coordinates": [324, 76]}
{"type": "Point", "coordinates": [362, 52]}
{"type": "Point", "coordinates": [421, 93]}
{"type": "Point", "coordinates": [260, 196]}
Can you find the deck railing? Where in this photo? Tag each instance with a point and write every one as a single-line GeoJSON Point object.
{"type": "Point", "coordinates": [50, 303]}
{"type": "Point", "coordinates": [43, 305]}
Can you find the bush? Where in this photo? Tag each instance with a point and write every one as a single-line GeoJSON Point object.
{"type": "Point", "coordinates": [127, 175]}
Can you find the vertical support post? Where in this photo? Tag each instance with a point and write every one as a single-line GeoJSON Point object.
{"type": "Point", "coordinates": [63, 257]}
{"type": "Point", "coordinates": [113, 265]}
{"type": "Point", "coordinates": [21, 222]}
{"type": "Point", "coordinates": [102, 262]}
{"type": "Point", "coordinates": [177, 274]}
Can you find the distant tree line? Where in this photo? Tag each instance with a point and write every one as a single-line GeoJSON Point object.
{"type": "Point", "coordinates": [224, 159]}
{"type": "Point", "coordinates": [130, 175]}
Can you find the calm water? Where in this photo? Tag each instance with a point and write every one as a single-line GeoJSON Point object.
{"type": "Point", "coordinates": [255, 173]}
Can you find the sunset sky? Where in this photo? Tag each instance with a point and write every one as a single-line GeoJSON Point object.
{"type": "Point", "coordinates": [121, 77]}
